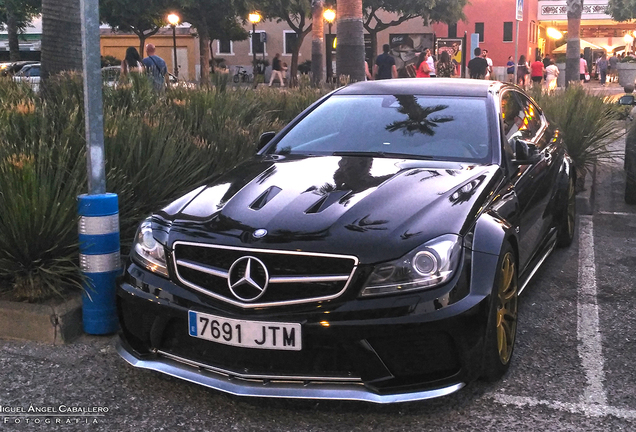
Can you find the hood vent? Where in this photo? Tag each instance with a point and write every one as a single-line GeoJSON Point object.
{"type": "Point", "coordinates": [327, 200]}
{"type": "Point", "coordinates": [265, 197]}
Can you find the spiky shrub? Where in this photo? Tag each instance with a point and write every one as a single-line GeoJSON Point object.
{"type": "Point", "coordinates": [587, 123]}
{"type": "Point", "coordinates": [40, 174]}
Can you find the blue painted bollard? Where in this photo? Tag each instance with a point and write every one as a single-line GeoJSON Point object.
{"type": "Point", "coordinates": [100, 263]}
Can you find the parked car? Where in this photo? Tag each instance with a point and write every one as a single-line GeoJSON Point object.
{"type": "Point", "coordinates": [374, 249]}
{"type": "Point", "coordinates": [12, 68]}
{"type": "Point", "coordinates": [29, 73]}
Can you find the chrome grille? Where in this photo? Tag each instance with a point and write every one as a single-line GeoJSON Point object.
{"type": "Point", "coordinates": [294, 277]}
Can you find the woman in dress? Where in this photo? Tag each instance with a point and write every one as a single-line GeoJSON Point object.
{"type": "Point", "coordinates": [522, 71]}
{"type": "Point", "coordinates": [423, 71]}
{"type": "Point", "coordinates": [445, 66]}
{"type": "Point", "coordinates": [552, 73]}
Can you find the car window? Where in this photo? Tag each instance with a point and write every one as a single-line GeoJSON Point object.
{"type": "Point", "coordinates": [449, 128]}
{"type": "Point", "coordinates": [34, 71]}
{"type": "Point", "coordinates": [521, 118]}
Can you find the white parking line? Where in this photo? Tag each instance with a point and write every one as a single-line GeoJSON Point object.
{"type": "Point", "coordinates": [594, 398]}
{"type": "Point", "coordinates": [590, 346]}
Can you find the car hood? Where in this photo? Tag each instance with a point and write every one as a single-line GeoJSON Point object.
{"type": "Point", "coordinates": [374, 208]}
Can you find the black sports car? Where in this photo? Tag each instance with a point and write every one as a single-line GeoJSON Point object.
{"type": "Point", "coordinates": [374, 249]}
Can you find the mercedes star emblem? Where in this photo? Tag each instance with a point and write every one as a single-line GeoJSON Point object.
{"type": "Point", "coordinates": [248, 278]}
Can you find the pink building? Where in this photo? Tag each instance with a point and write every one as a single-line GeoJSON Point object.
{"type": "Point", "coordinates": [495, 20]}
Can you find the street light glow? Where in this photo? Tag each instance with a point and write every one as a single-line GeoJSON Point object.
{"type": "Point", "coordinates": [329, 15]}
{"type": "Point", "coordinates": [554, 33]}
{"type": "Point", "coordinates": [254, 17]}
{"type": "Point", "coordinates": [628, 38]}
{"type": "Point", "coordinates": [173, 19]}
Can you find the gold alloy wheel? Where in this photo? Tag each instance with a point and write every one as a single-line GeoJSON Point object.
{"type": "Point", "coordinates": [506, 308]}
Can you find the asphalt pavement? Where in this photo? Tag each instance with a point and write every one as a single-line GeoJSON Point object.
{"type": "Point", "coordinates": [573, 367]}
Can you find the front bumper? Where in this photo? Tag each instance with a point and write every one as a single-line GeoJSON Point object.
{"type": "Point", "coordinates": [382, 350]}
{"type": "Point", "coordinates": [201, 374]}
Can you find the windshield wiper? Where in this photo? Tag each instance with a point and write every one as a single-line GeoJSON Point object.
{"type": "Point", "coordinates": [382, 154]}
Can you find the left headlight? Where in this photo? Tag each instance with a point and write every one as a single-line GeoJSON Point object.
{"type": "Point", "coordinates": [147, 251]}
{"type": "Point", "coordinates": [429, 265]}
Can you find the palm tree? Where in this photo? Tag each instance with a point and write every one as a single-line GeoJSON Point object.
{"type": "Point", "coordinates": [317, 39]}
{"type": "Point", "coordinates": [572, 55]}
{"type": "Point", "coordinates": [61, 37]}
{"type": "Point", "coordinates": [350, 52]}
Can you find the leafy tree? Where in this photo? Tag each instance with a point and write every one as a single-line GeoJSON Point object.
{"type": "Point", "coordinates": [142, 17]}
{"type": "Point", "coordinates": [213, 19]}
{"type": "Point", "coordinates": [621, 10]}
{"type": "Point", "coordinates": [573, 51]}
{"type": "Point", "coordinates": [448, 11]}
{"type": "Point", "coordinates": [16, 15]}
{"type": "Point", "coordinates": [297, 14]}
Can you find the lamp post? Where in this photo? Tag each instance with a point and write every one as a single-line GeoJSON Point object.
{"type": "Point", "coordinates": [329, 15]}
{"type": "Point", "coordinates": [254, 18]}
{"type": "Point", "coordinates": [173, 19]}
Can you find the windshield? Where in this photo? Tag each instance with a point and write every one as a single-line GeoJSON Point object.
{"type": "Point", "coordinates": [446, 128]}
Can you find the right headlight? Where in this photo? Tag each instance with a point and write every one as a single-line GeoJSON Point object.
{"type": "Point", "coordinates": [147, 251]}
{"type": "Point", "coordinates": [427, 266]}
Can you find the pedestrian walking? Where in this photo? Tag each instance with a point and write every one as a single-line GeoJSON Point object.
{"type": "Point", "coordinates": [384, 67]}
{"type": "Point", "coordinates": [484, 54]}
{"type": "Point", "coordinates": [422, 70]}
{"type": "Point", "coordinates": [155, 68]}
{"type": "Point", "coordinates": [510, 69]}
{"type": "Point", "coordinates": [478, 66]}
{"type": "Point", "coordinates": [522, 71]}
{"type": "Point", "coordinates": [583, 72]}
{"type": "Point", "coordinates": [132, 62]}
{"type": "Point", "coordinates": [612, 68]}
{"type": "Point", "coordinates": [430, 61]}
{"type": "Point", "coordinates": [536, 71]}
{"type": "Point", "coordinates": [445, 67]}
{"type": "Point", "coordinates": [551, 75]}
{"type": "Point", "coordinates": [277, 71]}
{"type": "Point", "coordinates": [601, 67]}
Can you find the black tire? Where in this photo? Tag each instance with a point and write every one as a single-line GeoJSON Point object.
{"type": "Point", "coordinates": [501, 331]}
{"type": "Point", "coordinates": [235, 78]}
{"type": "Point", "coordinates": [567, 219]}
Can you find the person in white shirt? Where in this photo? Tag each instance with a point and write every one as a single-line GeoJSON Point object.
{"type": "Point", "coordinates": [551, 74]}
{"type": "Point", "coordinates": [430, 61]}
{"type": "Point", "coordinates": [484, 54]}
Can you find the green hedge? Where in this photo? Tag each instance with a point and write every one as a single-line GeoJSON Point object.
{"type": "Point", "coordinates": [157, 148]}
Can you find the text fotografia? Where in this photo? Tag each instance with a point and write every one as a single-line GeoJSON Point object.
{"type": "Point", "coordinates": [49, 414]}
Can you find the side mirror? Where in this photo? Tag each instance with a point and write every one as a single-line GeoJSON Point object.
{"type": "Point", "coordinates": [525, 153]}
{"type": "Point", "coordinates": [627, 100]}
{"type": "Point", "coordinates": [265, 139]}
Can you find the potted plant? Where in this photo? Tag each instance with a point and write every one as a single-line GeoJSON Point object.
{"type": "Point", "coordinates": [627, 71]}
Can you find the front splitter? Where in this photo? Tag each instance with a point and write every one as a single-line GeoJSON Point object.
{"type": "Point", "coordinates": [285, 390]}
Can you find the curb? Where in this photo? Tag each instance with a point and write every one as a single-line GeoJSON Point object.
{"type": "Point", "coordinates": [51, 322]}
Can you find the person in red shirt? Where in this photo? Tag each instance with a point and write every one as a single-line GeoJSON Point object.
{"type": "Point", "coordinates": [536, 71]}
{"type": "Point", "coordinates": [423, 71]}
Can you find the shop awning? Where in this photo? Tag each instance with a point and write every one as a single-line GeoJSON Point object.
{"type": "Point", "coordinates": [584, 44]}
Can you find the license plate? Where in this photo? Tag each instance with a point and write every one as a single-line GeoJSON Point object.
{"type": "Point", "coordinates": [243, 333]}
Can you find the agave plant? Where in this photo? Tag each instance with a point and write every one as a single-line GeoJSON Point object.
{"type": "Point", "coordinates": [587, 123]}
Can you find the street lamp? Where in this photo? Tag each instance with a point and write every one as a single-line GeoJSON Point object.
{"type": "Point", "coordinates": [173, 19]}
{"type": "Point", "coordinates": [254, 18]}
{"type": "Point", "coordinates": [329, 15]}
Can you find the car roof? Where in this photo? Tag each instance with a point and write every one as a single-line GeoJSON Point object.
{"type": "Point", "coordinates": [423, 86]}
